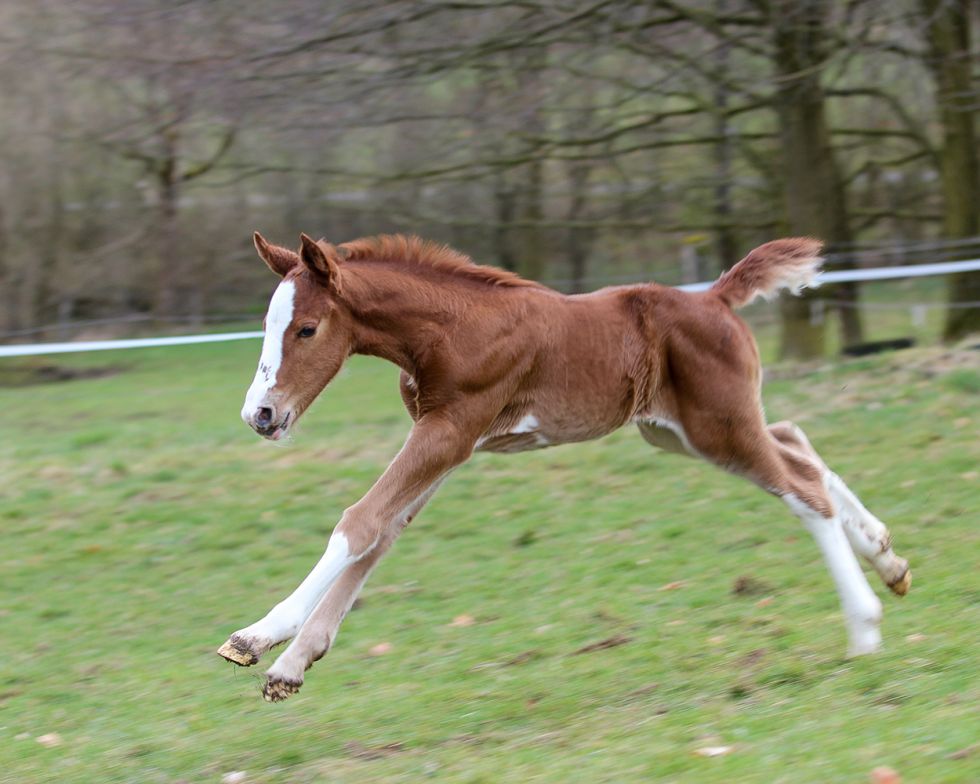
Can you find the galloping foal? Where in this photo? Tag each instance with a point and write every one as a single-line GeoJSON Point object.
{"type": "Point", "coordinates": [495, 363]}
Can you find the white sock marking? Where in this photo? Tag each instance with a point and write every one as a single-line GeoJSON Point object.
{"type": "Point", "coordinates": [862, 609]}
{"type": "Point", "coordinates": [285, 619]}
{"type": "Point", "coordinates": [292, 662]}
{"type": "Point", "coordinates": [868, 536]}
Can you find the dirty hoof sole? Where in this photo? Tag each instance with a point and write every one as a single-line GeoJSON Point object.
{"type": "Point", "coordinates": [236, 650]}
{"type": "Point", "coordinates": [901, 586]}
{"type": "Point", "coordinates": [277, 690]}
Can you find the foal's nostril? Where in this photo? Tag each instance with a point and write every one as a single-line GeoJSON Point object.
{"type": "Point", "coordinates": [263, 417]}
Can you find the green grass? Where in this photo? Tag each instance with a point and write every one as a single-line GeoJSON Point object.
{"type": "Point", "coordinates": [142, 522]}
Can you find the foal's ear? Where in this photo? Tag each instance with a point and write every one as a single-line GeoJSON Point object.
{"type": "Point", "coordinates": [322, 260]}
{"type": "Point", "coordinates": [279, 259]}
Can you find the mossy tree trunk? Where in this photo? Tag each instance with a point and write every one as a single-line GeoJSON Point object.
{"type": "Point", "coordinates": [813, 189]}
{"type": "Point", "coordinates": [947, 25]}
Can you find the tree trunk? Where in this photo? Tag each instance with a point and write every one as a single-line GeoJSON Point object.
{"type": "Point", "coordinates": [531, 252]}
{"type": "Point", "coordinates": [578, 239]}
{"type": "Point", "coordinates": [726, 246]}
{"type": "Point", "coordinates": [49, 253]}
{"type": "Point", "coordinates": [948, 35]}
{"type": "Point", "coordinates": [813, 188]}
{"type": "Point", "coordinates": [505, 207]}
{"type": "Point", "coordinates": [168, 277]}
{"type": "Point", "coordinates": [168, 255]}
{"type": "Point", "coordinates": [7, 319]}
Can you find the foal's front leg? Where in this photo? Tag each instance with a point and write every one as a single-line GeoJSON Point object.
{"type": "Point", "coordinates": [284, 620]}
{"type": "Point", "coordinates": [434, 447]}
{"type": "Point", "coordinates": [319, 632]}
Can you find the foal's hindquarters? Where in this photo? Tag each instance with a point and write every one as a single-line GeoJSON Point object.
{"type": "Point", "coordinates": [710, 407]}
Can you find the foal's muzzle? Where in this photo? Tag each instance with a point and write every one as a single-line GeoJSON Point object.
{"type": "Point", "coordinates": [267, 421]}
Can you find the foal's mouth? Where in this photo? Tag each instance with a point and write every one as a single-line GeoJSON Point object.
{"type": "Point", "coordinates": [278, 431]}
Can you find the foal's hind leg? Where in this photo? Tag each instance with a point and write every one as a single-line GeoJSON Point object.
{"type": "Point", "coordinates": [798, 480]}
{"type": "Point", "coordinates": [862, 609]}
{"type": "Point", "coordinates": [750, 450]}
{"type": "Point", "coordinates": [867, 534]}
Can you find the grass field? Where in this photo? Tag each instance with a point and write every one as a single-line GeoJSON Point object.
{"type": "Point", "coordinates": [629, 607]}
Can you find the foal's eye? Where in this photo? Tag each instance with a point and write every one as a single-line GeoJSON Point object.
{"type": "Point", "coordinates": [307, 332]}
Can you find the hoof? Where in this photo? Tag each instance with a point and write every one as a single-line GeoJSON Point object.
{"type": "Point", "coordinates": [237, 650]}
{"type": "Point", "coordinates": [864, 637]}
{"type": "Point", "coordinates": [863, 649]}
{"type": "Point", "coordinates": [901, 586]}
{"type": "Point", "coordinates": [277, 689]}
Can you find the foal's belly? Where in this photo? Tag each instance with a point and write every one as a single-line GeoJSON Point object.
{"type": "Point", "coordinates": [511, 442]}
{"type": "Point", "coordinates": [530, 433]}
{"type": "Point", "coordinates": [521, 436]}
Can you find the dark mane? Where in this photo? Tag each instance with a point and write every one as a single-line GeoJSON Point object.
{"type": "Point", "coordinates": [412, 251]}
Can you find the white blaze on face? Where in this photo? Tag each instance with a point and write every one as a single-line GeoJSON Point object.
{"type": "Point", "coordinates": [277, 320]}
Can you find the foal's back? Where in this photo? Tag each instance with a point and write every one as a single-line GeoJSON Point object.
{"type": "Point", "coordinates": [630, 354]}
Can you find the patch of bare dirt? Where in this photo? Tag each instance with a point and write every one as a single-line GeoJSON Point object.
{"type": "Point", "coordinates": [25, 375]}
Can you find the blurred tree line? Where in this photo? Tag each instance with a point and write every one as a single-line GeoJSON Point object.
{"type": "Point", "coordinates": [578, 143]}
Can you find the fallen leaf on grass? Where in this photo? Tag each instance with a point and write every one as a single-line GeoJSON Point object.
{"type": "Point", "coordinates": [964, 753]}
{"type": "Point", "coordinates": [672, 586]}
{"type": "Point", "coordinates": [609, 642]}
{"type": "Point", "coordinates": [49, 740]}
{"type": "Point", "coordinates": [713, 751]}
{"type": "Point", "coordinates": [463, 620]}
{"type": "Point", "coordinates": [523, 658]}
{"type": "Point", "coordinates": [885, 775]}
{"type": "Point", "coordinates": [740, 691]}
{"type": "Point", "coordinates": [380, 649]}
{"type": "Point", "coordinates": [747, 585]}
{"type": "Point", "coordinates": [525, 539]}
{"type": "Point", "coordinates": [650, 687]}
{"type": "Point", "coordinates": [394, 590]}
{"type": "Point", "coordinates": [360, 751]}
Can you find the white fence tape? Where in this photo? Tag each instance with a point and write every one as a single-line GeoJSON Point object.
{"type": "Point", "coordinates": [912, 271]}
{"type": "Point", "coordinates": [26, 350]}
{"type": "Point", "coordinates": [838, 276]}
{"type": "Point", "coordinates": [876, 273]}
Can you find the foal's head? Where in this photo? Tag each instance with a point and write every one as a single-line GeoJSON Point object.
{"type": "Point", "coordinates": [307, 335]}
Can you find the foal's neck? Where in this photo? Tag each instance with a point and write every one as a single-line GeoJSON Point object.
{"type": "Point", "coordinates": [397, 315]}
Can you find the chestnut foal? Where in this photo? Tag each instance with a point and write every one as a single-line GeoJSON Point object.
{"type": "Point", "coordinates": [495, 363]}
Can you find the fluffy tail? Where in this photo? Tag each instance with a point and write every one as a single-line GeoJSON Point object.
{"type": "Point", "coordinates": [780, 264]}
